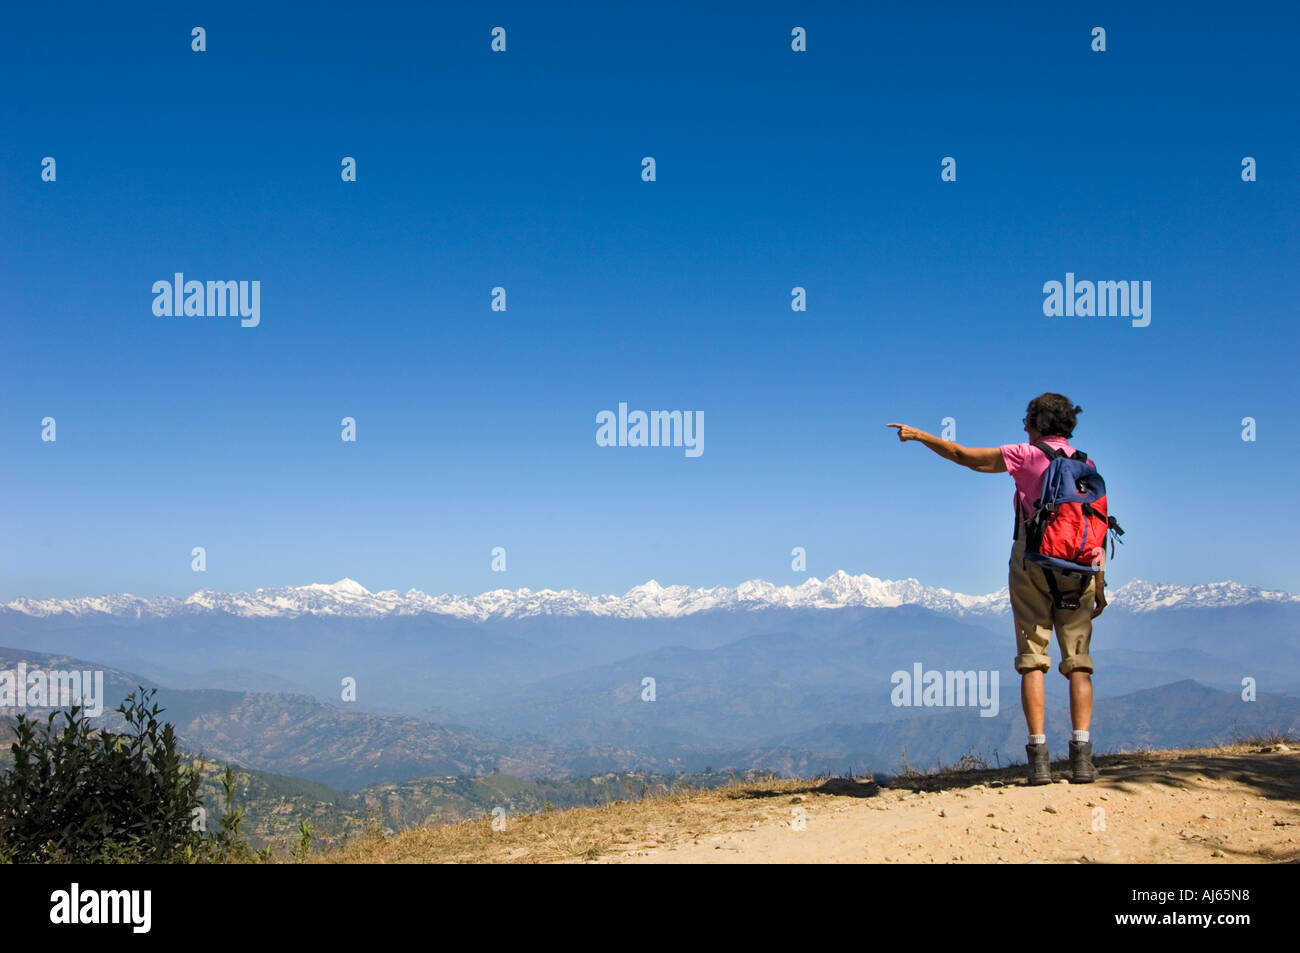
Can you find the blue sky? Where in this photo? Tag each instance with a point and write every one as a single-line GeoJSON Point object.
{"type": "Point", "coordinates": [775, 169]}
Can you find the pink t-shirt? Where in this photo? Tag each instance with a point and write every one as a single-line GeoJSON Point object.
{"type": "Point", "coordinates": [1027, 464]}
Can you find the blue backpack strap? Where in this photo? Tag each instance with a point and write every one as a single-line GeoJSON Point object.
{"type": "Point", "coordinates": [1114, 533]}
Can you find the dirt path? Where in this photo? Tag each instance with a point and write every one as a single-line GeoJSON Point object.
{"type": "Point", "coordinates": [1225, 806]}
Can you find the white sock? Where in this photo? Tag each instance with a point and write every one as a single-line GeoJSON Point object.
{"type": "Point", "coordinates": [1082, 736]}
{"type": "Point", "coordinates": [1038, 739]}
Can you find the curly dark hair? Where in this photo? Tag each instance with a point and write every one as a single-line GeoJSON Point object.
{"type": "Point", "coordinates": [1052, 415]}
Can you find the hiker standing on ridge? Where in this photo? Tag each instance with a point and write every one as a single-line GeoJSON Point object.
{"type": "Point", "coordinates": [1056, 574]}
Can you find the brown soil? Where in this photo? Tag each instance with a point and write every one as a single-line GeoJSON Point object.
{"type": "Point", "coordinates": [1225, 805]}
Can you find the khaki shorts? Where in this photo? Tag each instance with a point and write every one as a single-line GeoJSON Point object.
{"type": "Point", "coordinates": [1035, 615]}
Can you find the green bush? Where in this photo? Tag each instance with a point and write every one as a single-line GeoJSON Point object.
{"type": "Point", "coordinates": [82, 795]}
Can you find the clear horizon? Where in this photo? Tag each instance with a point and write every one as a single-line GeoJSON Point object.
{"type": "Point", "coordinates": [181, 596]}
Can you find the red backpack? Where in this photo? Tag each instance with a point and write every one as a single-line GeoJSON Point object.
{"type": "Point", "coordinates": [1068, 530]}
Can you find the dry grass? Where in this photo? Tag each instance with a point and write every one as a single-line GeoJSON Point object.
{"type": "Point", "coordinates": [577, 835]}
{"type": "Point", "coordinates": [688, 817]}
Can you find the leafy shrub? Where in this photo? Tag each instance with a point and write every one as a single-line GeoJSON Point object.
{"type": "Point", "coordinates": [84, 795]}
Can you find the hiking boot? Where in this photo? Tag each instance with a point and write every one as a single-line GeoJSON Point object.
{"type": "Point", "coordinates": [1081, 769]}
{"type": "Point", "coordinates": [1040, 764]}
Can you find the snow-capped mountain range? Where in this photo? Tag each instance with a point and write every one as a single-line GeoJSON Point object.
{"type": "Point", "coordinates": [348, 598]}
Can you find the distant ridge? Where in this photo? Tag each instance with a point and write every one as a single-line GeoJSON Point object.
{"type": "Point", "coordinates": [349, 599]}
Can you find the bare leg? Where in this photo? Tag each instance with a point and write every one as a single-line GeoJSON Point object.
{"type": "Point", "coordinates": [1031, 700]}
{"type": "Point", "coordinates": [1080, 700]}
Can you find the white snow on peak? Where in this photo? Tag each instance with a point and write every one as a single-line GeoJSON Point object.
{"type": "Point", "coordinates": [344, 586]}
{"type": "Point", "coordinates": [1141, 596]}
{"type": "Point", "coordinates": [347, 598]}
